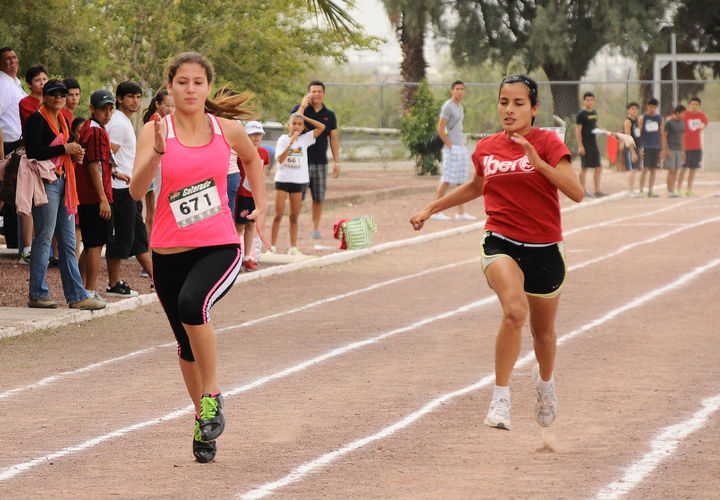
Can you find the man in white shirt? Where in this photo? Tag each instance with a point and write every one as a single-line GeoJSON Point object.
{"type": "Point", "coordinates": [11, 92]}
{"type": "Point", "coordinates": [130, 232]}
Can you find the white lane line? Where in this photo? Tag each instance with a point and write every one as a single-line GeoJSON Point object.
{"type": "Point", "coordinates": [14, 470]}
{"type": "Point", "coordinates": [654, 239]}
{"type": "Point", "coordinates": [17, 469]}
{"type": "Point", "coordinates": [309, 467]}
{"type": "Point", "coordinates": [288, 268]}
{"type": "Point", "coordinates": [316, 303]}
{"type": "Point", "coordinates": [662, 448]}
{"type": "Point", "coordinates": [358, 291]}
{"type": "Point", "coordinates": [449, 232]}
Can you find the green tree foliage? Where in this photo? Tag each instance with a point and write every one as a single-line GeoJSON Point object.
{"type": "Point", "coordinates": [559, 36]}
{"type": "Point", "coordinates": [265, 46]}
{"type": "Point", "coordinates": [418, 127]}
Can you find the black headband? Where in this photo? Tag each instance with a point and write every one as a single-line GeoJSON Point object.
{"type": "Point", "coordinates": [531, 85]}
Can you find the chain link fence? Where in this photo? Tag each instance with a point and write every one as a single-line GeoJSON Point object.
{"type": "Point", "coordinates": [370, 107]}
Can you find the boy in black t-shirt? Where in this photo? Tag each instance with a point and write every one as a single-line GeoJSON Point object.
{"type": "Point", "coordinates": [588, 150]}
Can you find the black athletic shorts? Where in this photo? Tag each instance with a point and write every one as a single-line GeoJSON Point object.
{"type": "Point", "coordinates": [189, 283]}
{"type": "Point", "coordinates": [130, 230]}
{"type": "Point", "coordinates": [591, 158]}
{"type": "Point", "coordinates": [290, 187]}
{"type": "Point", "coordinates": [95, 230]}
{"type": "Point", "coordinates": [651, 158]}
{"type": "Point", "coordinates": [244, 206]}
{"type": "Point", "coordinates": [543, 266]}
{"type": "Point", "coordinates": [693, 157]}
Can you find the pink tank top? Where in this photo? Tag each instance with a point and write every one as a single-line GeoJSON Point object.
{"type": "Point", "coordinates": [192, 204]}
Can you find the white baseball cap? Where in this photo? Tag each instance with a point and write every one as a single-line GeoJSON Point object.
{"type": "Point", "coordinates": [253, 127]}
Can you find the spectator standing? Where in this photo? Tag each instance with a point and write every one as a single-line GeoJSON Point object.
{"type": "Point", "coordinates": [317, 153]}
{"type": "Point", "coordinates": [454, 153]}
{"type": "Point", "coordinates": [674, 132]}
{"type": "Point", "coordinates": [46, 137]}
{"type": "Point", "coordinates": [654, 146]}
{"type": "Point", "coordinates": [95, 194]}
{"type": "Point", "coordinates": [633, 160]}
{"type": "Point", "coordinates": [245, 204]}
{"type": "Point", "coordinates": [588, 150]}
{"type": "Point", "coordinates": [73, 99]}
{"type": "Point", "coordinates": [291, 177]}
{"type": "Point", "coordinates": [11, 92]}
{"type": "Point", "coordinates": [161, 105]}
{"type": "Point", "coordinates": [36, 77]}
{"type": "Point", "coordinates": [695, 122]}
{"type": "Point", "coordinates": [130, 232]}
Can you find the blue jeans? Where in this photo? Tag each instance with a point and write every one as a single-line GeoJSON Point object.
{"type": "Point", "coordinates": [48, 219]}
{"type": "Point", "coordinates": [233, 184]}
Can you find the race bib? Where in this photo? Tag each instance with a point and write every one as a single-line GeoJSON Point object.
{"type": "Point", "coordinates": [194, 203]}
{"type": "Point", "coordinates": [294, 159]}
{"type": "Point", "coordinates": [651, 126]}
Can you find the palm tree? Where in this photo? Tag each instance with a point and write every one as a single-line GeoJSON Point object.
{"type": "Point", "coordinates": [410, 18]}
{"type": "Point", "coordinates": [336, 16]}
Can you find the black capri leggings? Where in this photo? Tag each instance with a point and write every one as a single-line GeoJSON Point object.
{"type": "Point", "coordinates": [189, 283]}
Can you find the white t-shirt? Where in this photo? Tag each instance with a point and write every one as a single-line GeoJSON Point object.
{"type": "Point", "coordinates": [122, 133]}
{"type": "Point", "coordinates": [295, 167]}
{"type": "Point", "coordinates": [11, 92]}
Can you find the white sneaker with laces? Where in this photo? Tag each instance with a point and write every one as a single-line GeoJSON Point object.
{"type": "Point", "coordinates": [294, 251]}
{"type": "Point", "coordinates": [465, 216]}
{"type": "Point", "coordinates": [499, 414]}
{"type": "Point", "coordinates": [440, 216]}
{"type": "Point", "coordinates": [546, 404]}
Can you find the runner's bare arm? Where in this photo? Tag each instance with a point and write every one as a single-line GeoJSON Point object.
{"type": "Point", "coordinates": [148, 153]}
{"type": "Point", "coordinates": [467, 192]}
{"type": "Point", "coordinates": [562, 175]}
{"type": "Point", "coordinates": [248, 155]}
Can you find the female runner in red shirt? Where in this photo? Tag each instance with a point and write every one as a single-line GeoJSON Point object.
{"type": "Point", "coordinates": [195, 247]}
{"type": "Point", "coordinates": [519, 171]}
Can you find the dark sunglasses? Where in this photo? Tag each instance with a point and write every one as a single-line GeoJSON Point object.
{"type": "Point", "coordinates": [57, 93]}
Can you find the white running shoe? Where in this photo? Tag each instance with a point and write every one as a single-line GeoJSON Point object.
{"type": "Point", "coordinates": [465, 216]}
{"type": "Point", "coordinates": [546, 404]}
{"type": "Point", "coordinates": [499, 414]}
{"type": "Point", "coordinates": [294, 251]}
{"type": "Point", "coordinates": [440, 216]}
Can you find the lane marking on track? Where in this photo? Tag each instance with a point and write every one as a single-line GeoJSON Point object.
{"type": "Point", "coordinates": [14, 470]}
{"type": "Point", "coordinates": [300, 472]}
{"type": "Point", "coordinates": [100, 364]}
{"type": "Point", "coordinates": [663, 446]}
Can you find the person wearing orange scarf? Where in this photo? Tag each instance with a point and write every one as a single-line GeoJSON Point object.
{"type": "Point", "coordinates": [46, 135]}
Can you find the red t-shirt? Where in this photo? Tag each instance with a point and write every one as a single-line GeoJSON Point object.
{"type": "Point", "coordinates": [521, 203]}
{"type": "Point", "coordinates": [28, 105]}
{"type": "Point", "coordinates": [244, 189]}
{"type": "Point", "coordinates": [96, 142]}
{"type": "Point", "coordinates": [68, 116]}
{"type": "Point", "coordinates": [694, 123]}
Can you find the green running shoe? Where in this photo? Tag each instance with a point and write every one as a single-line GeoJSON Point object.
{"type": "Point", "coordinates": [204, 452]}
{"type": "Point", "coordinates": [212, 419]}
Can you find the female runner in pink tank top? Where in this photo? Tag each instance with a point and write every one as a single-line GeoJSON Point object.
{"type": "Point", "coordinates": [195, 248]}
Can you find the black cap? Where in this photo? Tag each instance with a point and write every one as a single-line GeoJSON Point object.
{"type": "Point", "coordinates": [54, 86]}
{"type": "Point", "coordinates": [101, 97]}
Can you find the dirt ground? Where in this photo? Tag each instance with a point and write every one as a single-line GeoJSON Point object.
{"type": "Point", "coordinates": [371, 378]}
